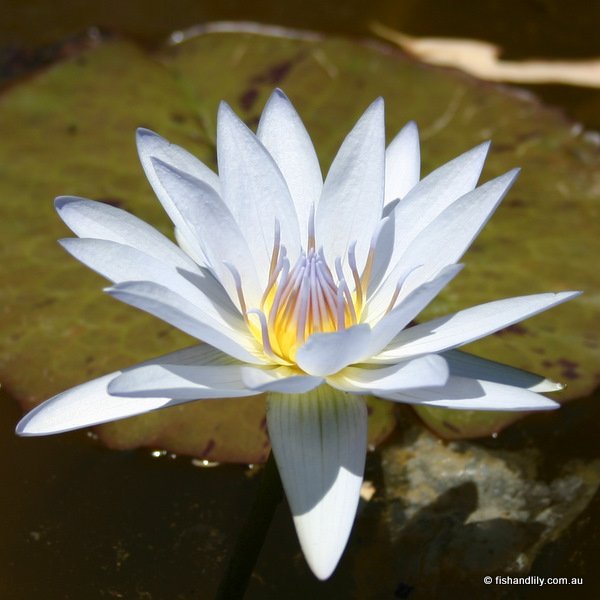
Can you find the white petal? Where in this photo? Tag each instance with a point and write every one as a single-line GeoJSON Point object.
{"type": "Point", "coordinates": [467, 325]}
{"type": "Point", "coordinates": [423, 204]}
{"type": "Point", "coordinates": [327, 353]}
{"type": "Point", "coordinates": [279, 379]}
{"type": "Point", "coordinates": [388, 326]}
{"type": "Point", "coordinates": [175, 310]}
{"type": "Point", "coordinates": [283, 134]}
{"type": "Point", "coordinates": [449, 235]}
{"type": "Point", "coordinates": [213, 226]}
{"type": "Point", "coordinates": [201, 372]}
{"type": "Point", "coordinates": [255, 191]}
{"type": "Point", "coordinates": [89, 219]}
{"type": "Point", "coordinates": [151, 145]}
{"type": "Point", "coordinates": [462, 393]}
{"type": "Point", "coordinates": [121, 263]}
{"type": "Point", "coordinates": [181, 381]}
{"type": "Point", "coordinates": [352, 200]}
{"type": "Point", "coordinates": [402, 163]}
{"type": "Point", "coordinates": [430, 370]}
{"type": "Point", "coordinates": [446, 238]}
{"type": "Point", "coordinates": [319, 441]}
{"type": "Point", "coordinates": [463, 364]}
{"type": "Point", "coordinates": [90, 403]}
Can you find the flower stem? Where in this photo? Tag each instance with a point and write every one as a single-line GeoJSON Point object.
{"type": "Point", "coordinates": [252, 536]}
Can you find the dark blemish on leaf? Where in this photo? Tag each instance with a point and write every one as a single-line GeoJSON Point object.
{"type": "Point", "coordinates": [162, 333]}
{"type": "Point", "coordinates": [208, 448]}
{"type": "Point", "coordinates": [277, 73]}
{"type": "Point", "coordinates": [569, 364]}
{"type": "Point", "coordinates": [178, 117]}
{"type": "Point", "coordinates": [516, 329]}
{"type": "Point", "coordinates": [72, 129]}
{"type": "Point", "coordinates": [570, 368]}
{"type": "Point", "coordinates": [516, 202]}
{"type": "Point", "coordinates": [263, 423]}
{"type": "Point", "coordinates": [569, 374]}
{"type": "Point", "coordinates": [539, 350]}
{"type": "Point", "coordinates": [116, 202]}
{"type": "Point", "coordinates": [89, 359]}
{"type": "Point", "coordinates": [369, 410]}
{"type": "Point", "coordinates": [547, 363]}
{"type": "Point", "coordinates": [503, 148]}
{"type": "Point", "coordinates": [248, 98]}
{"type": "Point", "coordinates": [451, 427]}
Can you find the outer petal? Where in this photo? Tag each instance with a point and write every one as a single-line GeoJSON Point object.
{"type": "Point", "coordinates": [319, 441]}
{"type": "Point", "coordinates": [472, 394]}
{"type": "Point", "coordinates": [352, 200]}
{"type": "Point", "coordinates": [121, 263]}
{"type": "Point", "coordinates": [214, 228]}
{"type": "Point", "coordinates": [467, 325]}
{"type": "Point", "coordinates": [279, 379]}
{"type": "Point", "coordinates": [446, 238]}
{"type": "Point", "coordinates": [90, 403]}
{"type": "Point", "coordinates": [402, 163]}
{"type": "Point", "coordinates": [255, 191]}
{"type": "Point", "coordinates": [463, 364]}
{"type": "Point", "coordinates": [430, 370]}
{"type": "Point", "coordinates": [202, 372]}
{"type": "Point", "coordinates": [422, 205]}
{"type": "Point", "coordinates": [327, 353]}
{"type": "Point", "coordinates": [89, 219]}
{"type": "Point", "coordinates": [151, 145]}
{"type": "Point", "coordinates": [283, 134]}
{"type": "Point", "coordinates": [449, 235]}
{"type": "Point", "coordinates": [388, 326]}
{"type": "Point", "coordinates": [175, 310]}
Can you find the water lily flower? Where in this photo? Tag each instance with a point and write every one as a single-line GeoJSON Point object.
{"type": "Point", "coordinates": [304, 290]}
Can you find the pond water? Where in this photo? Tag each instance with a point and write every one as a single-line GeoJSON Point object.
{"type": "Point", "coordinates": [80, 521]}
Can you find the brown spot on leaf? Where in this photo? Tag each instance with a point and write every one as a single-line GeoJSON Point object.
{"type": "Point", "coordinates": [178, 117]}
{"type": "Point", "coordinates": [517, 329]}
{"type": "Point", "coordinates": [275, 74]}
{"type": "Point", "coordinates": [570, 368]}
{"type": "Point", "coordinates": [248, 98]}
{"type": "Point", "coordinates": [208, 448]}
{"type": "Point", "coordinates": [451, 427]}
{"type": "Point", "coordinates": [116, 202]}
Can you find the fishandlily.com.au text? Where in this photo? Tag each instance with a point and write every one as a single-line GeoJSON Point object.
{"type": "Point", "coordinates": [532, 580]}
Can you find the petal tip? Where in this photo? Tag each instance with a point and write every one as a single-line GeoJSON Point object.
{"type": "Point", "coordinates": [61, 202]}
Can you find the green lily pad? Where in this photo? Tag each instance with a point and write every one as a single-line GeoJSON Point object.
{"type": "Point", "coordinates": [69, 130]}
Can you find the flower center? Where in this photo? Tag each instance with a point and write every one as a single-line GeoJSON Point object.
{"type": "Point", "coordinates": [307, 298]}
{"type": "Point", "coordinates": [303, 301]}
